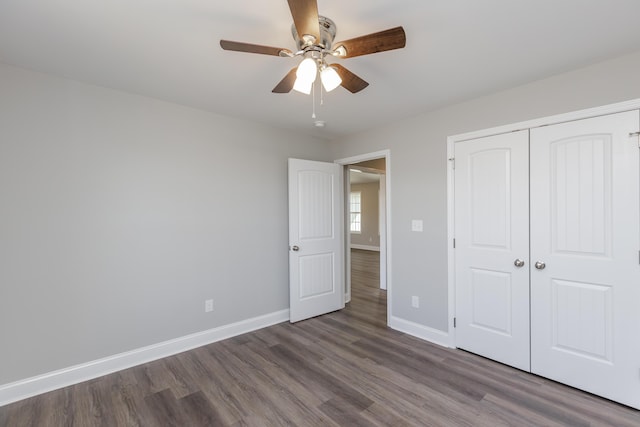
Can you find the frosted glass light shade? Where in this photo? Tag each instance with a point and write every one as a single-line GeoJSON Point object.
{"type": "Point", "coordinates": [303, 86]}
{"type": "Point", "coordinates": [330, 79]}
{"type": "Point", "coordinates": [307, 70]}
{"type": "Point", "coordinates": [305, 76]}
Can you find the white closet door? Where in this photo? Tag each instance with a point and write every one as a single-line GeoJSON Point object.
{"type": "Point", "coordinates": [585, 300]}
{"type": "Point", "coordinates": [492, 232]}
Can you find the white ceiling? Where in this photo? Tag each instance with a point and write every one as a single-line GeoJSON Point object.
{"type": "Point", "coordinates": [456, 50]}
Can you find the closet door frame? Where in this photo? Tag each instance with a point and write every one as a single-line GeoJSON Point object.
{"type": "Point", "coordinates": [451, 140]}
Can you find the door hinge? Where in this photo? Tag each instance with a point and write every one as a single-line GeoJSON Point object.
{"type": "Point", "coordinates": [453, 162]}
{"type": "Point", "coordinates": [454, 322]}
{"type": "Point", "coordinates": [454, 243]}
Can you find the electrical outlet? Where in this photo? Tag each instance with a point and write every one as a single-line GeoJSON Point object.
{"type": "Point", "coordinates": [416, 225]}
{"type": "Point", "coordinates": [208, 305]}
{"type": "Point", "coordinates": [415, 302]}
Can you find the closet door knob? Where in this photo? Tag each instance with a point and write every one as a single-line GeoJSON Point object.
{"type": "Point", "coordinates": [295, 248]}
{"type": "Point", "coordinates": [518, 262]}
{"type": "Point", "coordinates": [540, 265]}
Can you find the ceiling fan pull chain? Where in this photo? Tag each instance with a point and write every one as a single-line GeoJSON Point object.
{"type": "Point", "coordinates": [313, 102]}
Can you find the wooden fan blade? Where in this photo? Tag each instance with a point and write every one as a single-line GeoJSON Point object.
{"type": "Point", "coordinates": [286, 84]}
{"type": "Point", "coordinates": [393, 38]}
{"type": "Point", "coordinates": [254, 48]}
{"type": "Point", "coordinates": [305, 17]}
{"type": "Point", "coordinates": [350, 81]}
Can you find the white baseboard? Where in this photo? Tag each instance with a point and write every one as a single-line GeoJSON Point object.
{"type": "Point", "coordinates": [29, 387]}
{"type": "Point", "coordinates": [426, 333]}
{"type": "Point", "coordinates": [366, 247]}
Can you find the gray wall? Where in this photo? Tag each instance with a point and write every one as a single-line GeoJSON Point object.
{"type": "Point", "coordinates": [370, 212]}
{"type": "Point", "coordinates": [120, 215]}
{"type": "Point", "coordinates": [418, 169]}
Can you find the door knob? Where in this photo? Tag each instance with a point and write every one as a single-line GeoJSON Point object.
{"type": "Point", "coordinates": [540, 265]}
{"type": "Point", "coordinates": [295, 248]}
{"type": "Point", "coordinates": [518, 262]}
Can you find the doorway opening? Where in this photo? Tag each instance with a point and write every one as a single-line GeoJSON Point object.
{"type": "Point", "coordinates": [367, 231]}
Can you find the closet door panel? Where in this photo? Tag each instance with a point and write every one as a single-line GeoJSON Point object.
{"type": "Point", "coordinates": [585, 238]}
{"type": "Point", "coordinates": [492, 232]}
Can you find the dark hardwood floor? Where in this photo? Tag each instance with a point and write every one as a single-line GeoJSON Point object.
{"type": "Point", "coordinates": [346, 368]}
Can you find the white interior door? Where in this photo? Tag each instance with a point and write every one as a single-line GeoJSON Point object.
{"type": "Point", "coordinates": [316, 241]}
{"type": "Point", "coordinates": [492, 247]}
{"type": "Point", "coordinates": [585, 317]}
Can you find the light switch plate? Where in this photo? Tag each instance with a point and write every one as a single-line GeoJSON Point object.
{"type": "Point", "coordinates": [415, 302]}
{"type": "Point", "coordinates": [416, 225]}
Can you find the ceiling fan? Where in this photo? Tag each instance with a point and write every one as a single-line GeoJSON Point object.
{"type": "Point", "coordinates": [314, 36]}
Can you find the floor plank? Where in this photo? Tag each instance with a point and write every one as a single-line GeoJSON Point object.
{"type": "Point", "coordinates": [344, 368]}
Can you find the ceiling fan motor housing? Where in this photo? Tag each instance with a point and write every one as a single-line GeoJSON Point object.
{"type": "Point", "coordinates": [327, 35]}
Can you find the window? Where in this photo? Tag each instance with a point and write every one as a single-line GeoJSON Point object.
{"type": "Point", "coordinates": [356, 213]}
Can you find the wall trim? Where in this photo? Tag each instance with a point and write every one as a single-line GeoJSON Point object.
{"type": "Point", "coordinates": [33, 386]}
{"type": "Point", "coordinates": [426, 333]}
{"type": "Point", "coordinates": [365, 247]}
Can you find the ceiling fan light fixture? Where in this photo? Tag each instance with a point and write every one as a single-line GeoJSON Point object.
{"type": "Point", "coordinates": [330, 78]}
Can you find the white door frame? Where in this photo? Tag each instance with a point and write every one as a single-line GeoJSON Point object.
{"type": "Point", "coordinates": [382, 228]}
{"type": "Point", "coordinates": [385, 241]}
{"type": "Point", "coordinates": [560, 118]}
